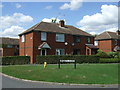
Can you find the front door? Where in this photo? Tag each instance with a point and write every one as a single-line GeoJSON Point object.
{"type": "Point", "coordinates": [88, 52]}
{"type": "Point", "coordinates": [43, 52]}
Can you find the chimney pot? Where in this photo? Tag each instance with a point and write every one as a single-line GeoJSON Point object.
{"type": "Point", "coordinates": [62, 23]}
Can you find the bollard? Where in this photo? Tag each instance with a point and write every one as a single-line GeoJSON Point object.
{"type": "Point", "coordinates": [45, 65]}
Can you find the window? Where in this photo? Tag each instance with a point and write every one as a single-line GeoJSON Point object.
{"type": "Point", "coordinates": [76, 39]}
{"type": "Point", "coordinates": [10, 46]}
{"type": "Point", "coordinates": [23, 38]}
{"type": "Point", "coordinates": [88, 40]}
{"type": "Point", "coordinates": [76, 51]}
{"type": "Point", "coordinates": [1, 52]}
{"type": "Point", "coordinates": [60, 37]}
{"type": "Point", "coordinates": [96, 43]}
{"type": "Point", "coordinates": [43, 36]}
{"type": "Point", "coordinates": [60, 51]}
{"type": "Point", "coordinates": [115, 42]}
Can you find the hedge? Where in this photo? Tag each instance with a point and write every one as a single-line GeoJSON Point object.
{"type": "Point", "coordinates": [109, 60]}
{"type": "Point", "coordinates": [53, 59]}
{"type": "Point", "coordinates": [15, 60]}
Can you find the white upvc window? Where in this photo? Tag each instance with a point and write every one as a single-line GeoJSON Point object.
{"type": "Point", "coordinates": [88, 40]}
{"type": "Point", "coordinates": [96, 43]}
{"type": "Point", "coordinates": [43, 36]}
{"type": "Point", "coordinates": [60, 52]}
{"type": "Point", "coordinates": [60, 37]}
{"type": "Point", "coordinates": [116, 42]}
{"type": "Point", "coordinates": [23, 38]}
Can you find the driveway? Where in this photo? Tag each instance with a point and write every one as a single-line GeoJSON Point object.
{"type": "Point", "coordinates": [8, 82]}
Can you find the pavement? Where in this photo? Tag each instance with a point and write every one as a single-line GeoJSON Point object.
{"type": "Point", "coordinates": [11, 82]}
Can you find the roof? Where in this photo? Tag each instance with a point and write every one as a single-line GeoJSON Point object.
{"type": "Point", "coordinates": [55, 28]}
{"type": "Point", "coordinates": [44, 45]}
{"type": "Point", "coordinates": [6, 40]}
{"type": "Point", "coordinates": [107, 35]}
{"type": "Point", "coordinates": [91, 46]}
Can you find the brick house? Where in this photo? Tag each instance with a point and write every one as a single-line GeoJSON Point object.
{"type": "Point", "coordinates": [9, 46]}
{"type": "Point", "coordinates": [54, 39]}
{"type": "Point", "coordinates": [109, 41]}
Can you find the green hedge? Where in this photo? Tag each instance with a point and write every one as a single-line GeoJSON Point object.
{"type": "Point", "coordinates": [15, 60]}
{"type": "Point", "coordinates": [53, 59]}
{"type": "Point", "coordinates": [109, 60]}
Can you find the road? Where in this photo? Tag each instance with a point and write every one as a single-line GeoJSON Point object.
{"type": "Point", "coordinates": [8, 82]}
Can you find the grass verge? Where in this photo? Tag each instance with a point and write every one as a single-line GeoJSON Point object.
{"type": "Point", "coordinates": [84, 74]}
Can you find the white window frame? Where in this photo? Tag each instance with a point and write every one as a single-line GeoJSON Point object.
{"type": "Point", "coordinates": [60, 37]}
{"type": "Point", "coordinates": [96, 43]}
{"type": "Point", "coordinates": [41, 52]}
{"type": "Point", "coordinates": [43, 36]}
{"type": "Point", "coordinates": [23, 38]}
{"type": "Point", "coordinates": [58, 52]}
{"type": "Point", "coordinates": [77, 38]}
{"type": "Point", "coordinates": [88, 39]}
{"type": "Point", "coordinates": [116, 42]}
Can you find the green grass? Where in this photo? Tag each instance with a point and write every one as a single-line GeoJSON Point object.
{"type": "Point", "coordinates": [84, 74]}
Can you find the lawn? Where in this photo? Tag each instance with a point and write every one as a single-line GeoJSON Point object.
{"type": "Point", "coordinates": [84, 74]}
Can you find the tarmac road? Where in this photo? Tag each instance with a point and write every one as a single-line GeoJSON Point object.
{"type": "Point", "coordinates": [10, 82]}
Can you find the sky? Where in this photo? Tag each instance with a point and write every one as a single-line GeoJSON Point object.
{"type": "Point", "coordinates": [92, 17]}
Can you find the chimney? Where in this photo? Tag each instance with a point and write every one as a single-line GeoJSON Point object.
{"type": "Point", "coordinates": [118, 32]}
{"type": "Point", "coordinates": [62, 23]}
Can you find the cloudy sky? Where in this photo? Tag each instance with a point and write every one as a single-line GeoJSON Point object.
{"type": "Point", "coordinates": [92, 17]}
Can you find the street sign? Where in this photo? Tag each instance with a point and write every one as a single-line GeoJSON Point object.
{"type": "Point", "coordinates": [67, 61]}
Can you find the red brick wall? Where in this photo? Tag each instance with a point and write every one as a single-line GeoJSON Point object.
{"type": "Point", "coordinates": [51, 40]}
{"type": "Point", "coordinates": [26, 48]}
{"type": "Point", "coordinates": [5, 51]}
{"type": "Point", "coordinates": [105, 45]}
{"type": "Point", "coordinates": [8, 51]}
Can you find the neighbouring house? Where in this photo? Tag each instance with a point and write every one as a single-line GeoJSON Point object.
{"type": "Point", "coordinates": [47, 38]}
{"type": "Point", "coordinates": [9, 46]}
{"type": "Point", "coordinates": [108, 41]}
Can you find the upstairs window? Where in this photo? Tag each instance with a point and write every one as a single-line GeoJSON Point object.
{"type": "Point", "coordinates": [96, 43]}
{"type": "Point", "coordinates": [23, 38]}
{"type": "Point", "coordinates": [60, 51]}
{"type": "Point", "coordinates": [43, 36]}
{"type": "Point", "coordinates": [60, 37]}
{"type": "Point", "coordinates": [88, 40]}
{"type": "Point", "coordinates": [10, 46]}
{"type": "Point", "coordinates": [76, 39]}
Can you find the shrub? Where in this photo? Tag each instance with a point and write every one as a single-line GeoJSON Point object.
{"type": "Point", "coordinates": [109, 60]}
{"type": "Point", "coordinates": [15, 60]}
{"type": "Point", "coordinates": [54, 59]}
{"type": "Point", "coordinates": [102, 54]}
{"type": "Point", "coordinates": [114, 54]}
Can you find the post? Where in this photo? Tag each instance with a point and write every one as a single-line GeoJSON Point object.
{"type": "Point", "coordinates": [59, 64]}
{"type": "Point", "coordinates": [75, 65]}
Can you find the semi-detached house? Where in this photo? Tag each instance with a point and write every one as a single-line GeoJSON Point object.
{"type": "Point", "coordinates": [109, 41]}
{"type": "Point", "coordinates": [47, 38]}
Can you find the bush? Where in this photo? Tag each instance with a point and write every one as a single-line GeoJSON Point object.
{"type": "Point", "coordinates": [113, 54]}
{"type": "Point", "coordinates": [15, 60]}
{"type": "Point", "coordinates": [54, 59]}
{"type": "Point", "coordinates": [102, 54]}
{"type": "Point", "coordinates": [109, 60]}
